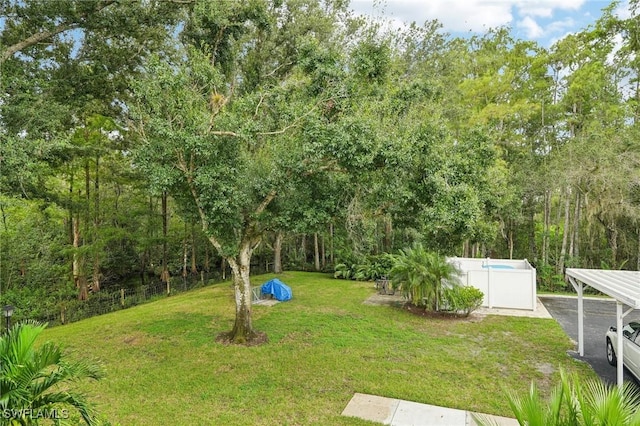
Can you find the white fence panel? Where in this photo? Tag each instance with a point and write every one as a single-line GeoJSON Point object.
{"type": "Point", "coordinates": [504, 283]}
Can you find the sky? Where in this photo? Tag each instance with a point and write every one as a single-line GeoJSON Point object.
{"type": "Point", "coordinates": [543, 21]}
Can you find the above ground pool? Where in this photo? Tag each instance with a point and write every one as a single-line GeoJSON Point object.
{"type": "Point", "coordinates": [498, 267]}
{"type": "Point", "coordinates": [505, 283]}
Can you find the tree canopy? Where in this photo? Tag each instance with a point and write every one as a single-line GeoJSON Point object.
{"type": "Point", "coordinates": [147, 140]}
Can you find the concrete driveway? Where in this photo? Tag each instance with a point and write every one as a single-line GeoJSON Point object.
{"type": "Point", "coordinates": [599, 315]}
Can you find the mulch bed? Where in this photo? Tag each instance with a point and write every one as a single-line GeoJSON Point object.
{"type": "Point", "coordinates": [421, 312]}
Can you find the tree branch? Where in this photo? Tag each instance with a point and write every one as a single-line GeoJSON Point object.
{"type": "Point", "coordinates": [266, 201]}
{"type": "Point", "coordinates": [44, 35]}
{"type": "Point", "coordinates": [35, 38]}
{"type": "Point", "coordinates": [182, 165]}
{"type": "Point", "coordinates": [277, 68]}
{"type": "Point", "coordinates": [293, 124]}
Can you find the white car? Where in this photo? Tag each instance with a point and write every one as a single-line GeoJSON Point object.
{"type": "Point", "coordinates": [630, 348]}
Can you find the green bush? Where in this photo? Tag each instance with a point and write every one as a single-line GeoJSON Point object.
{"type": "Point", "coordinates": [345, 271]}
{"type": "Point", "coordinates": [548, 279]}
{"type": "Point", "coordinates": [374, 267]}
{"type": "Point", "coordinates": [463, 299]}
{"type": "Point", "coordinates": [369, 269]}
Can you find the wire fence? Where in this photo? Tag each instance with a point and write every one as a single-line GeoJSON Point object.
{"type": "Point", "coordinates": [106, 301]}
{"type": "Point", "coordinates": [103, 302]}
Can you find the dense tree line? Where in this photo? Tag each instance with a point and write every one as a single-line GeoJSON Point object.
{"type": "Point", "coordinates": [160, 139]}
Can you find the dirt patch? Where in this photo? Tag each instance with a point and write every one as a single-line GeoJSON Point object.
{"type": "Point", "coordinates": [546, 369]}
{"type": "Point", "coordinates": [255, 338]}
{"type": "Point", "coordinates": [396, 300]}
{"type": "Point", "coordinates": [266, 302]}
{"type": "Point", "coordinates": [385, 299]}
{"type": "Point", "coordinates": [432, 314]}
{"type": "Point", "coordinates": [135, 339]}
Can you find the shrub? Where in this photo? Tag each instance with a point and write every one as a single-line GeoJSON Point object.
{"type": "Point", "coordinates": [463, 299]}
{"type": "Point", "coordinates": [345, 271]}
{"type": "Point", "coordinates": [374, 267]}
{"type": "Point", "coordinates": [370, 269]}
{"type": "Point", "coordinates": [548, 279]}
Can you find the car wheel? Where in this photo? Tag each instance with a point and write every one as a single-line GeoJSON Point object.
{"type": "Point", "coordinates": [611, 355]}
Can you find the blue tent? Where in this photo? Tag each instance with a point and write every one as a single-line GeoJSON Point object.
{"type": "Point", "coordinates": [278, 289]}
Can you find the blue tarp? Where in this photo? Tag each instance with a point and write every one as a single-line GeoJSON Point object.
{"type": "Point", "coordinates": [278, 289]}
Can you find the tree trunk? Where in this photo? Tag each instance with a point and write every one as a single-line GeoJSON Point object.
{"type": "Point", "coordinates": [545, 230]}
{"type": "Point", "coordinates": [565, 232]}
{"type": "Point", "coordinates": [4, 216]}
{"type": "Point", "coordinates": [207, 261]}
{"type": "Point", "coordinates": [316, 252]}
{"type": "Point", "coordinates": [78, 264]}
{"type": "Point", "coordinates": [533, 248]}
{"type": "Point", "coordinates": [556, 245]}
{"type": "Point", "coordinates": [575, 231]}
{"type": "Point", "coordinates": [164, 275]}
{"type": "Point", "coordinates": [83, 293]}
{"type": "Point", "coordinates": [303, 252]}
{"type": "Point", "coordinates": [612, 234]}
{"type": "Point", "coordinates": [96, 275]}
{"type": "Point", "coordinates": [242, 331]}
{"type": "Point", "coordinates": [75, 263]}
{"type": "Point", "coordinates": [510, 243]}
{"type": "Point", "coordinates": [185, 252]}
{"type": "Point", "coordinates": [323, 254]}
{"type": "Point", "coordinates": [277, 252]}
{"type": "Point", "coordinates": [331, 252]}
{"type": "Point", "coordinates": [194, 266]}
{"type": "Point", "coordinates": [146, 255]}
{"type": "Point", "coordinates": [388, 234]}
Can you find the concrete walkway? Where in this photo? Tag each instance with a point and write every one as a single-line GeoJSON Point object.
{"type": "Point", "coordinates": [396, 412]}
{"type": "Point", "coordinates": [540, 312]}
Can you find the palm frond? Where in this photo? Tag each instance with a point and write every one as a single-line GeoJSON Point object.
{"type": "Point", "coordinates": [30, 378]}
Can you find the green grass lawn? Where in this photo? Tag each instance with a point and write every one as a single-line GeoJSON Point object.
{"type": "Point", "coordinates": [163, 366]}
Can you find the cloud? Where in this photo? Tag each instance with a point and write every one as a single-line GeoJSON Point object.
{"type": "Point", "coordinates": [455, 15]}
{"type": "Point", "coordinates": [623, 11]}
{"type": "Point", "coordinates": [545, 8]}
{"type": "Point", "coordinates": [473, 15]}
{"type": "Point", "coordinates": [467, 15]}
{"type": "Point", "coordinates": [562, 25]}
{"type": "Point", "coordinates": [531, 27]}
{"type": "Point", "coordinates": [542, 20]}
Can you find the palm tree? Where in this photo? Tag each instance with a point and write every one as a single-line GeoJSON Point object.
{"type": "Point", "coordinates": [34, 382]}
{"type": "Point", "coordinates": [421, 275]}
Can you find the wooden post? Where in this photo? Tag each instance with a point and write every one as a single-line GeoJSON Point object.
{"type": "Point", "coordinates": [122, 297]}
